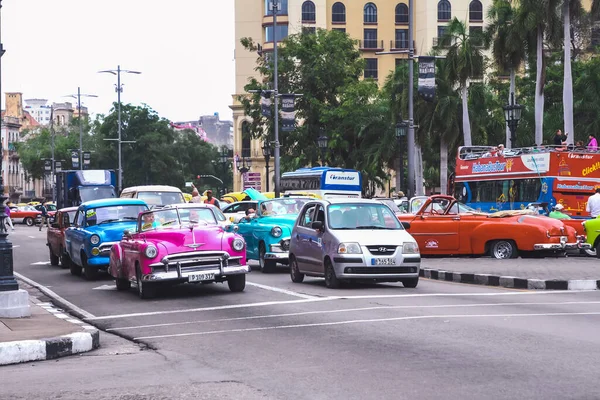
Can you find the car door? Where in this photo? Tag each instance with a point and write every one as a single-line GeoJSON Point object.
{"type": "Point", "coordinates": [246, 229]}
{"type": "Point", "coordinates": [436, 231]}
{"type": "Point", "coordinates": [304, 237]}
{"type": "Point", "coordinates": [75, 237]}
{"type": "Point", "coordinates": [54, 235]}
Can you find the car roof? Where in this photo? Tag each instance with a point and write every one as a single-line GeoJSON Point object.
{"type": "Point", "coordinates": [117, 201]}
{"type": "Point", "coordinates": [154, 188]}
{"type": "Point", "coordinates": [68, 209]}
{"type": "Point", "coordinates": [347, 200]}
{"type": "Point", "coordinates": [186, 205]}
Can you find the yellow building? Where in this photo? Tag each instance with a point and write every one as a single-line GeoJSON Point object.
{"type": "Point", "coordinates": [378, 25]}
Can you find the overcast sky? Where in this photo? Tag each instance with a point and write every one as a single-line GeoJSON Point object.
{"type": "Point", "coordinates": [184, 49]}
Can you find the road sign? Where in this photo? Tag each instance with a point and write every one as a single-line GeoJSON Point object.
{"type": "Point", "coordinates": [252, 180]}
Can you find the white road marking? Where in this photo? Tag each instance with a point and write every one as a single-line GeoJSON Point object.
{"type": "Point", "coordinates": [31, 237]}
{"type": "Point", "coordinates": [15, 246]}
{"type": "Point", "coordinates": [124, 328]}
{"type": "Point", "coordinates": [274, 303]}
{"type": "Point", "coordinates": [105, 287]}
{"type": "Point", "coordinates": [41, 263]}
{"type": "Point", "coordinates": [362, 321]}
{"type": "Point", "coordinates": [53, 295]}
{"type": "Point", "coordinates": [284, 291]}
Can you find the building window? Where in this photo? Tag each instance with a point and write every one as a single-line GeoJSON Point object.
{"type": "Point", "coordinates": [370, 13]}
{"type": "Point", "coordinates": [399, 61]}
{"type": "Point", "coordinates": [371, 68]}
{"type": "Point", "coordinates": [401, 39]}
{"type": "Point", "coordinates": [282, 32]}
{"type": "Point", "coordinates": [308, 12]}
{"type": "Point", "coordinates": [338, 13]}
{"type": "Point", "coordinates": [308, 30]}
{"type": "Point", "coordinates": [246, 139]}
{"type": "Point", "coordinates": [444, 10]}
{"type": "Point", "coordinates": [441, 32]}
{"type": "Point", "coordinates": [283, 7]}
{"type": "Point", "coordinates": [475, 11]}
{"type": "Point", "coordinates": [476, 34]}
{"type": "Point", "coordinates": [370, 37]}
{"type": "Point", "coordinates": [401, 13]}
{"type": "Point", "coordinates": [340, 29]}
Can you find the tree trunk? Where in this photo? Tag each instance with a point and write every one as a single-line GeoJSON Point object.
{"type": "Point", "coordinates": [513, 78]}
{"type": "Point", "coordinates": [443, 166]}
{"type": "Point", "coordinates": [465, 115]}
{"type": "Point", "coordinates": [539, 89]}
{"type": "Point", "coordinates": [568, 77]}
{"type": "Point", "coordinates": [419, 171]}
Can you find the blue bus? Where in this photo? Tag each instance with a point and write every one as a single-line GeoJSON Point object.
{"type": "Point", "coordinates": [323, 182]}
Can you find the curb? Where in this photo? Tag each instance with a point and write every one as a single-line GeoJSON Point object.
{"type": "Point", "coordinates": [510, 281]}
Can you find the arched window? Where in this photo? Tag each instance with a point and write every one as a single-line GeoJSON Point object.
{"type": "Point", "coordinates": [370, 13]}
{"type": "Point", "coordinates": [246, 139]}
{"type": "Point", "coordinates": [338, 13]}
{"type": "Point", "coordinates": [444, 11]}
{"type": "Point", "coordinates": [401, 13]}
{"type": "Point", "coordinates": [475, 11]}
{"type": "Point", "coordinates": [308, 12]}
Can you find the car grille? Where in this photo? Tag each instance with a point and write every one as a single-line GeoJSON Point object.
{"type": "Point", "coordinates": [382, 250]}
{"type": "Point", "coordinates": [196, 261]}
{"type": "Point", "coordinates": [105, 248]}
{"type": "Point", "coordinates": [380, 270]}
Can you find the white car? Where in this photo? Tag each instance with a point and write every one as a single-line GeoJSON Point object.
{"type": "Point", "coordinates": [236, 211]}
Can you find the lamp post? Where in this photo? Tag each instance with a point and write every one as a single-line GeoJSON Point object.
{"type": "Point", "coordinates": [266, 150]}
{"type": "Point", "coordinates": [78, 97]}
{"type": "Point", "coordinates": [322, 143]}
{"type": "Point", "coordinates": [512, 115]}
{"type": "Point", "coordinates": [224, 159]}
{"type": "Point", "coordinates": [275, 6]}
{"type": "Point", "coordinates": [119, 89]}
{"type": "Point", "coordinates": [245, 166]}
{"type": "Point", "coordinates": [401, 129]}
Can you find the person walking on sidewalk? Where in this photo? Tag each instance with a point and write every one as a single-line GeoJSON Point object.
{"type": "Point", "coordinates": [593, 204]}
{"type": "Point", "coordinates": [7, 212]}
{"type": "Point", "coordinates": [45, 218]}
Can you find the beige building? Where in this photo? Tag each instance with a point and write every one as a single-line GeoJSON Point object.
{"type": "Point", "coordinates": [378, 25]}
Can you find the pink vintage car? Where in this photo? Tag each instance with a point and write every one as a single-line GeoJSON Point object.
{"type": "Point", "coordinates": [177, 244]}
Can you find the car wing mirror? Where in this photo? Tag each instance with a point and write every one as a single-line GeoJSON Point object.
{"type": "Point", "coordinates": [66, 221]}
{"type": "Point", "coordinates": [405, 224]}
{"type": "Point", "coordinates": [55, 225]}
{"type": "Point", "coordinates": [127, 234]}
{"type": "Point", "coordinates": [317, 225]}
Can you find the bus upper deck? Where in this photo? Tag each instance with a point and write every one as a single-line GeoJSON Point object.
{"type": "Point", "coordinates": [325, 182]}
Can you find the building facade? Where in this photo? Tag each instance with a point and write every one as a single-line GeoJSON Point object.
{"type": "Point", "coordinates": [39, 110]}
{"type": "Point", "coordinates": [378, 25]}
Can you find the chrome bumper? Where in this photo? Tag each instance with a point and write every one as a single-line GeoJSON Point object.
{"type": "Point", "coordinates": [277, 250]}
{"type": "Point", "coordinates": [562, 246]}
{"type": "Point", "coordinates": [277, 256]}
{"type": "Point", "coordinates": [178, 275]}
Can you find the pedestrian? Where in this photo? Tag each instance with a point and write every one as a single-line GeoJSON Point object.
{"type": "Point", "coordinates": [7, 212]}
{"type": "Point", "coordinates": [593, 143]}
{"type": "Point", "coordinates": [196, 196]}
{"type": "Point", "coordinates": [558, 213]}
{"type": "Point", "coordinates": [211, 200]}
{"type": "Point", "coordinates": [593, 204]}
{"type": "Point", "coordinates": [45, 218]}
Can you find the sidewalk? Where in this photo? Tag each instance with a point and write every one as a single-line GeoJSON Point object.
{"type": "Point", "coordinates": [552, 273]}
{"type": "Point", "coordinates": [47, 334]}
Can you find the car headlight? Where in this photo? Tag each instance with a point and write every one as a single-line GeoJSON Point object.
{"type": "Point", "coordinates": [94, 239]}
{"type": "Point", "coordinates": [349, 248]}
{"type": "Point", "coordinates": [410, 248]}
{"type": "Point", "coordinates": [151, 251]}
{"type": "Point", "coordinates": [238, 244]}
{"type": "Point", "coordinates": [276, 231]}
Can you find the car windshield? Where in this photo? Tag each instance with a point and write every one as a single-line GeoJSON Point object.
{"type": "Point", "coordinates": [284, 206]}
{"type": "Point", "coordinates": [96, 193]}
{"type": "Point", "coordinates": [219, 214]}
{"type": "Point", "coordinates": [362, 216]}
{"type": "Point", "coordinates": [109, 214]}
{"type": "Point", "coordinates": [176, 218]}
{"type": "Point", "coordinates": [161, 198]}
{"type": "Point", "coordinates": [391, 204]}
{"type": "Point", "coordinates": [71, 215]}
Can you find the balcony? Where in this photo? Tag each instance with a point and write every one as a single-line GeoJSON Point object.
{"type": "Point", "coordinates": [399, 45]}
{"type": "Point", "coordinates": [370, 45]}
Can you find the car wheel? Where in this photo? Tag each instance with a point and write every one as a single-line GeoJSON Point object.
{"type": "Point", "coordinates": [503, 249]}
{"type": "Point", "coordinates": [54, 260]}
{"type": "Point", "coordinates": [75, 269]}
{"type": "Point", "coordinates": [145, 290]}
{"type": "Point", "coordinates": [595, 252]}
{"type": "Point", "coordinates": [237, 283]}
{"type": "Point", "coordinates": [295, 274]}
{"type": "Point", "coordinates": [122, 284]}
{"type": "Point", "coordinates": [28, 221]}
{"type": "Point", "coordinates": [266, 266]}
{"type": "Point", "coordinates": [410, 282]}
{"type": "Point", "coordinates": [331, 280]}
{"type": "Point", "coordinates": [90, 273]}
{"type": "Point", "coordinates": [590, 252]}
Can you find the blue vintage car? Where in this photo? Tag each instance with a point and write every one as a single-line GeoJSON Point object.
{"type": "Point", "coordinates": [268, 232]}
{"type": "Point", "coordinates": [97, 225]}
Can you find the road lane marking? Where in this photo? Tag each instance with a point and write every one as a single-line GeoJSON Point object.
{"type": "Point", "coordinates": [64, 303]}
{"type": "Point", "coordinates": [105, 287]}
{"type": "Point", "coordinates": [330, 298]}
{"type": "Point", "coordinates": [31, 237]}
{"type": "Point", "coordinates": [284, 291]}
{"type": "Point", "coordinates": [363, 321]}
{"type": "Point", "coordinates": [296, 314]}
{"type": "Point", "coordinates": [41, 263]}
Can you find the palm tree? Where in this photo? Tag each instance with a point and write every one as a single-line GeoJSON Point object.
{"type": "Point", "coordinates": [464, 60]}
{"type": "Point", "coordinates": [506, 42]}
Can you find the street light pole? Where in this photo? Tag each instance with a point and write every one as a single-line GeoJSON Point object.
{"type": "Point", "coordinates": [78, 97]}
{"type": "Point", "coordinates": [512, 115]}
{"type": "Point", "coordinates": [411, 128]}
{"type": "Point", "coordinates": [266, 149]}
{"type": "Point", "coordinates": [276, 99]}
{"type": "Point", "coordinates": [119, 89]}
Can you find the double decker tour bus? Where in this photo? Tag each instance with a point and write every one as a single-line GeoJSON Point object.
{"type": "Point", "coordinates": [324, 182]}
{"type": "Point", "coordinates": [490, 182]}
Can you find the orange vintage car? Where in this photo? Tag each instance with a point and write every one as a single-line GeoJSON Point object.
{"type": "Point", "coordinates": [442, 225]}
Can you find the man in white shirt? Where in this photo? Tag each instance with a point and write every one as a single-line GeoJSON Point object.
{"type": "Point", "coordinates": [593, 204]}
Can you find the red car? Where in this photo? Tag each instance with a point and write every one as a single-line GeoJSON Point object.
{"type": "Point", "coordinates": [27, 215]}
{"type": "Point", "coordinates": [55, 237]}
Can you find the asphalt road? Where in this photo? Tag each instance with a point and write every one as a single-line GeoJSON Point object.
{"type": "Point", "coordinates": [280, 340]}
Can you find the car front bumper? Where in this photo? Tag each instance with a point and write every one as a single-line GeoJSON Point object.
{"type": "Point", "coordinates": [359, 266]}
{"type": "Point", "coordinates": [279, 251]}
{"type": "Point", "coordinates": [184, 276]}
{"type": "Point", "coordinates": [180, 267]}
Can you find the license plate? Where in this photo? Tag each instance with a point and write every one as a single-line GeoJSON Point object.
{"type": "Point", "coordinates": [383, 261]}
{"type": "Point", "coordinates": [201, 277]}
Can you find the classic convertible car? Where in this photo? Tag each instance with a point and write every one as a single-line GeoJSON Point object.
{"type": "Point", "coordinates": [442, 225]}
{"type": "Point", "coordinates": [177, 244]}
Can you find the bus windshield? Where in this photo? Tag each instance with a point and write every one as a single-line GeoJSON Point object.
{"type": "Point", "coordinates": [323, 182]}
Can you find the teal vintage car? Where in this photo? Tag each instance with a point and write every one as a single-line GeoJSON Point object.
{"type": "Point", "coordinates": [268, 232]}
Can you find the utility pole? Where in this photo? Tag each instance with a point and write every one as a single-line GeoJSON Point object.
{"type": "Point", "coordinates": [276, 97]}
{"type": "Point", "coordinates": [411, 127]}
{"type": "Point", "coordinates": [78, 97]}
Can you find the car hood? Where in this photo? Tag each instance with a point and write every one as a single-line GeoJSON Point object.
{"type": "Point", "coordinates": [373, 237]}
{"type": "Point", "coordinates": [280, 220]}
{"type": "Point", "coordinates": [183, 240]}
{"type": "Point", "coordinates": [111, 232]}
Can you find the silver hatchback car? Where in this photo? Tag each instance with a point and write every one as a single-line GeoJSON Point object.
{"type": "Point", "coordinates": [344, 239]}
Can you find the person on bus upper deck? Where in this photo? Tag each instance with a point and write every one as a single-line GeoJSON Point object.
{"type": "Point", "coordinates": [500, 152]}
{"type": "Point", "coordinates": [593, 143]}
{"type": "Point", "coordinates": [560, 139]}
{"type": "Point", "coordinates": [593, 204]}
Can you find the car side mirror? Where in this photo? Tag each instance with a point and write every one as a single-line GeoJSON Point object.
{"type": "Point", "coordinates": [127, 234]}
{"type": "Point", "coordinates": [66, 221]}
{"type": "Point", "coordinates": [55, 225]}
{"type": "Point", "coordinates": [317, 225]}
{"type": "Point", "coordinates": [405, 224]}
